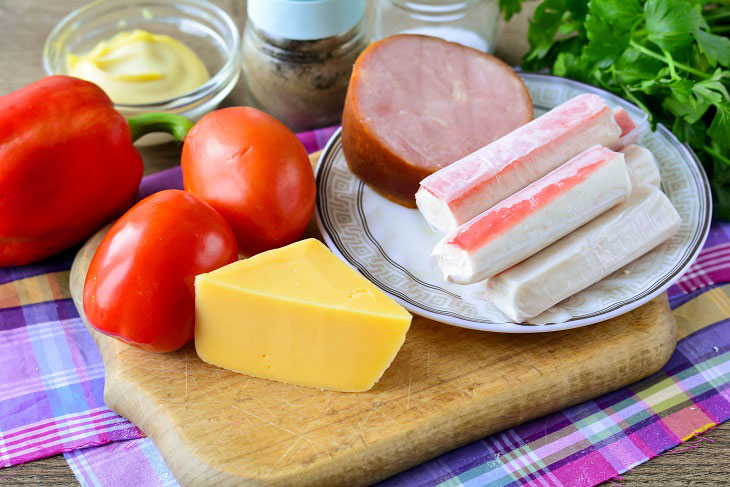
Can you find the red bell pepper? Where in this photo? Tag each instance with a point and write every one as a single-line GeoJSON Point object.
{"type": "Point", "coordinates": [67, 165]}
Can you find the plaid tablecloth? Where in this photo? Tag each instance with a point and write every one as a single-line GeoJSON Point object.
{"type": "Point", "coordinates": [51, 387]}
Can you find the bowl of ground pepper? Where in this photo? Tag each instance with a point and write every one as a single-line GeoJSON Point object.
{"type": "Point", "coordinates": [298, 57]}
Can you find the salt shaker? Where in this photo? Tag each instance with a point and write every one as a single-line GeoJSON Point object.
{"type": "Point", "coordinates": [298, 57]}
{"type": "Point", "coordinates": [472, 23]}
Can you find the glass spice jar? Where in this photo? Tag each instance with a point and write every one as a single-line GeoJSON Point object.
{"type": "Point", "coordinates": [472, 23]}
{"type": "Point", "coordinates": [298, 57]}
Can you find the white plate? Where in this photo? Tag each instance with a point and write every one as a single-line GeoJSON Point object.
{"type": "Point", "coordinates": [390, 245]}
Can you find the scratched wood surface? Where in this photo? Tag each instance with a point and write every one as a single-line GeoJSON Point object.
{"type": "Point", "coordinates": [23, 28]}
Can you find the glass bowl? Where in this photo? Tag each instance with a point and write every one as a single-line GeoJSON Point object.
{"type": "Point", "coordinates": [203, 27]}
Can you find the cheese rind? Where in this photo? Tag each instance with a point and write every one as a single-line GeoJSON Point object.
{"type": "Point", "coordinates": [530, 220]}
{"type": "Point", "coordinates": [586, 256]}
{"type": "Point", "coordinates": [298, 315]}
{"type": "Point", "coordinates": [475, 183]}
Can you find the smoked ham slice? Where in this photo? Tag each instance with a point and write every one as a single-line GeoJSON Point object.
{"type": "Point", "coordinates": [415, 104]}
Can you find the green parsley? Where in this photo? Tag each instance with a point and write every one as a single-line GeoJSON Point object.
{"type": "Point", "coordinates": [669, 57]}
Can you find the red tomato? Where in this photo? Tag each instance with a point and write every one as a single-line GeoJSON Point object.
{"type": "Point", "coordinates": [255, 172]}
{"type": "Point", "coordinates": [140, 284]}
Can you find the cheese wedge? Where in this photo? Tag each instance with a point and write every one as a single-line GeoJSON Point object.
{"type": "Point", "coordinates": [533, 218]}
{"type": "Point", "coordinates": [299, 315]}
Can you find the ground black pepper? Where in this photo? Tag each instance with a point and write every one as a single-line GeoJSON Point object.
{"type": "Point", "coordinates": [301, 82]}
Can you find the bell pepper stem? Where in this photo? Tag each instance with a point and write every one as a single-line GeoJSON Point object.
{"type": "Point", "coordinates": [146, 123]}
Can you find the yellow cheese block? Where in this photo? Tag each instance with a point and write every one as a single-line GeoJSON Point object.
{"type": "Point", "coordinates": [299, 315]}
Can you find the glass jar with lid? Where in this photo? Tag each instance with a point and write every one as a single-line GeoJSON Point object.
{"type": "Point", "coordinates": [472, 23]}
{"type": "Point", "coordinates": [298, 57]}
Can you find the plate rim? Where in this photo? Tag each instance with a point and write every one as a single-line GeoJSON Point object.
{"type": "Point", "coordinates": [512, 327]}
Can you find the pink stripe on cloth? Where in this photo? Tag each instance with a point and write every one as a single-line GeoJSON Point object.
{"type": "Point", "coordinates": [711, 267]}
{"type": "Point", "coordinates": [52, 426]}
{"type": "Point", "coordinates": [52, 384]}
{"type": "Point", "coordinates": [121, 464]}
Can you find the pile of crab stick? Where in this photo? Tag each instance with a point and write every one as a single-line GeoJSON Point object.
{"type": "Point", "coordinates": [550, 208]}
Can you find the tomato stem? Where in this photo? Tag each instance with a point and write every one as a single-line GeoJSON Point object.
{"type": "Point", "coordinates": [146, 123]}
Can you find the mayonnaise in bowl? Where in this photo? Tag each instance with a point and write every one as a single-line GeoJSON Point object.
{"type": "Point", "coordinates": [137, 67]}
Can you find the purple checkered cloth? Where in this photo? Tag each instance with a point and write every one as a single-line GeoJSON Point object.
{"type": "Point", "coordinates": [580, 446]}
{"type": "Point", "coordinates": [51, 374]}
{"type": "Point", "coordinates": [51, 388]}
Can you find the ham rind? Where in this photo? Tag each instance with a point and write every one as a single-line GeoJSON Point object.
{"type": "Point", "coordinates": [530, 220]}
{"type": "Point", "coordinates": [416, 104]}
{"type": "Point", "coordinates": [585, 256]}
{"type": "Point", "coordinates": [462, 190]}
{"type": "Point", "coordinates": [643, 169]}
{"type": "Point", "coordinates": [630, 131]}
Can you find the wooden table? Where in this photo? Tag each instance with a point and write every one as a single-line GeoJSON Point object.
{"type": "Point", "coordinates": [24, 26]}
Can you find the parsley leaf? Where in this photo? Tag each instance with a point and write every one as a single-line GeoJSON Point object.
{"type": "Point", "coordinates": [690, 110]}
{"type": "Point", "coordinates": [711, 91]}
{"type": "Point", "coordinates": [568, 61]}
{"type": "Point", "coordinates": [721, 190]}
{"type": "Point", "coordinates": [716, 48]}
{"type": "Point", "coordinates": [577, 8]}
{"type": "Point", "coordinates": [605, 43]}
{"type": "Point", "coordinates": [682, 89]}
{"type": "Point", "coordinates": [669, 57]}
{"type": "Point", "coordinates": [720, 127]}
{"type": "Point", "coordinates": [621, 15]}
{"type": "Point", "coordinates": [693, 133]}
{"type": "Point", "coordinates": [671, 23]}
{"type": "Point", "coordinates": [510, 7]}
{"type": "Point", "coordinates": [548, 16]}
{"type": "Point", "coordinates": [634, 66]}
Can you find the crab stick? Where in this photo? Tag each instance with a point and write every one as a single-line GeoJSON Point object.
{"type": "Point", "coordinates": [458, 192]}
{"type": "Point", "coordinates": [585, 256]}
{"type": "Point", "coordinates": [642, 166]}
{"type": "Point", "coordinates": [630, 131]}
{"type": "Point", "coordinates": [533, 218]}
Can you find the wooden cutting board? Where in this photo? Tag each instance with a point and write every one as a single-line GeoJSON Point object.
{"type": "Point", "coordinates": [448, 386]}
